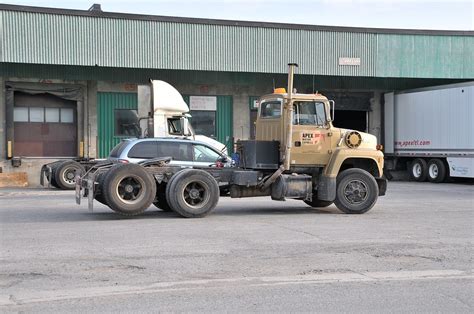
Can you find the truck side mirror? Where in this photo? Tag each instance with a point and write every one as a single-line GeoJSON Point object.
{"type": "Point", "coordinates": [185, 125]}
{"type": "Point", "coordinates": [332, 106]}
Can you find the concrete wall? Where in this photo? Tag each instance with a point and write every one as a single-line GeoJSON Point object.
{"type": "Point", "coordinates": [3, 136]}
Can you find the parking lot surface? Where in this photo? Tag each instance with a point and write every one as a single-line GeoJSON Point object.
{"type": "Point", "coordinates": [412, 252]}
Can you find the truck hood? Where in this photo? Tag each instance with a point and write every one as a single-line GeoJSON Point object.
{"type": "Point", "coordinates": [212, 142]}
{"type": "Point", "coordinates": [368, 140]}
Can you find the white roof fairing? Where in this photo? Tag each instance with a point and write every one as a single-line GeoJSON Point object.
{"type": "Point", "coordinates": [167, 98]}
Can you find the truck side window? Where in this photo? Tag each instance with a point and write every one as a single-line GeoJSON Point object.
{"type": "Point", "coordinates": [309, 113]}
{"type": "Point", "coordinates": [270, 109]}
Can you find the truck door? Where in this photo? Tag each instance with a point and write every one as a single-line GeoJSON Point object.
{"type": "Point", "coordinates": [311, 134]}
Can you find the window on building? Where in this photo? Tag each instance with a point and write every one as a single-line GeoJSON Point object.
{"type": "Point", "coordinates": [67, 115]}
{"type": "Point", "coordinates": [52, 115]}
{"type": "Point", "coordinates": [36, 114]}
{"type": "Point", "coordinates": [204, 122]}
{"type": "Point", "coordinates": [20, 114]}
{"type": "Point", "coordinates": [126, 123]}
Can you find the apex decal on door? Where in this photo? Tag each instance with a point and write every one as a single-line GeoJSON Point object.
{"type": "Point", "coordinates": [311, 138]}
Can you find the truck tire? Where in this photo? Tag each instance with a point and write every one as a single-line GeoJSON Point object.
{"type": "Point", "coordinates": [161, 201]}
{"type": "Point", "coordinates": [315, 202]}
{"type": "Point", "coordinates": [52, 179]}
{"type": "Point", "coordinates": [65, 174]}
{"type": "Point", "coordinates": [436, 171]}
{"type": "Point", "coordinates": [99, 195]}
{"type": "Point", "coordinates": [356, 191]}
{"type": "Point", "coordinates": [192, 193]}
{"type": "Point", "coordinates": [128, 189]}
{"type": "Point", "coordinates": [418, 170]}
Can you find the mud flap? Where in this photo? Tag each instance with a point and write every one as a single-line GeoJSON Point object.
{"type": "Point", "coordinates": [382, 183]}
{"type": "Point", "coordinates": [327, 188]}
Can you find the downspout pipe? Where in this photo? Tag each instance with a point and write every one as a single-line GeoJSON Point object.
{"type": "Point", "coordinates": [289, 116]}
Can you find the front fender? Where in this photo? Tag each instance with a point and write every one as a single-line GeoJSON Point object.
{"type": "Point", "coordinates": [341, 154]}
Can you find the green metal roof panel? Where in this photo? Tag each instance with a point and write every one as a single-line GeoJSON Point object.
{"type": "Point", "coordinates": [84, 40]}
{"type": "Point", "coordinates": [78, 40]}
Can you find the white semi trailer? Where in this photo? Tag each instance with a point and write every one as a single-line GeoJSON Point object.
{"type": "Point", "coordinates": [430, 132]}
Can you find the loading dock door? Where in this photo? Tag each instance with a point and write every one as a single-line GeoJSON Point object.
{"type": "Point", "coordinates": [44, 126]}
{"type": "Point", "coordinates": [351, 109]}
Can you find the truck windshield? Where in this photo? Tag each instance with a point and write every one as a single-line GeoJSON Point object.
{"type": "Point", "coordinates": [309, 113]}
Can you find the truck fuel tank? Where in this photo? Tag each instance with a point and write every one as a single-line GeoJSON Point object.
{"type": "Point", "coordinates": [292, 186]}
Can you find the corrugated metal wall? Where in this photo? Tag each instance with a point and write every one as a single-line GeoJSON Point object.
{"type": "Point", "coordinates": [425, 56]}
{"type": "Point", "coordinates": [40, 38]}
{"type": "Point", "coordinates": [106, 104]}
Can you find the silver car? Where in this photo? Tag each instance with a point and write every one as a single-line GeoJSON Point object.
{"type": "Point", "coordinates": [184, 152]}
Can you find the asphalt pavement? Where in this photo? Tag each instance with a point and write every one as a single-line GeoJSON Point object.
{"type": "Point", "coordinates": [413, 252]}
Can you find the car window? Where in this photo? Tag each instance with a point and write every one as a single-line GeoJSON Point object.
{"type": "Point", "coordinates": [118, 149]}
{"type": "Point", "coordinates": [205, 154]}
{"type": "Point", "coordinates": [143, 150]}
{"type": "Point", "coordinates": [176, 150]}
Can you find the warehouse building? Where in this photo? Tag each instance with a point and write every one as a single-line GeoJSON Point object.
{"type": "Point", "coordinates": [69, 77]}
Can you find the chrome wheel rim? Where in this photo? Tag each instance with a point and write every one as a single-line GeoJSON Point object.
{"type": "Point", "coordinates": [433, 171]}
{"type": "Point", "coordinates": [416, 170]}
{"type": "Point", "coordinates": [69, 175]}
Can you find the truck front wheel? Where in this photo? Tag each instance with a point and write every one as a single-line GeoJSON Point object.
{"type": "Point", "coordinates": [128, 189]}
{"type": "Point", "coordinates": [356, 191]}
{"type": "Point", "coordinates": [192, 193]}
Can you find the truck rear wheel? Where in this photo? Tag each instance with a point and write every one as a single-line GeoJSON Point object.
{"type": "Point", "coordinates": [356, 191]}
{"type": "Point", "coordinates": [52, 178]}
{"type": "Point", "coordinates": [65, 174]}
{"type": "Point", "coordinates": [99, 195]}
{"type": "Point", "coordinates": [161, 201]}
{"type": "Point", "coordinates": [418, 170]}
{"type": "Point", "coordinates": [192, 193]}
{"type": "Point", "coordinates": [436, 171]}
{"type": "Point", "coordinates": [128, 189]}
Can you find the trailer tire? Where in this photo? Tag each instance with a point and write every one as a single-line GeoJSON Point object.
{"type": "Point", "coordinates": [315, 202]}
{"type": "Point", "coordinates": [356, 191]}
{"type": "Point", "coordinates": [418, 170]}
{"type": "Point", "coordinates": [436, 171]}
{"type": "Point", "coordinates": [192, 193]}
{"type": "Point", "coordinates": [65, 174]}
{"type": "Point", "coordinates": [128, 189]}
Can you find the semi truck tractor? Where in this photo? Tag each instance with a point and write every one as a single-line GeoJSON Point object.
{"type": "Point", "coordinates": [298, 154]}
{"type": "Point", "coordinates": [168, 117]}
{"type": "Point", "coordinates": [430, 132]}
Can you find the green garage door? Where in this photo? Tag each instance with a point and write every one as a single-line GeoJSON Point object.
{"type": "Point", "coordinates": [116, 119]}
{"type": "Point", "coordinates": [223, 117]}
